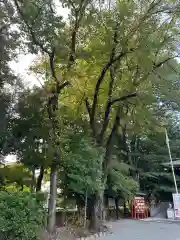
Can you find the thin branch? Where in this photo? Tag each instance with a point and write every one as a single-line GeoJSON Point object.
{"type": "Point", "coordinates": [159, 64]}
{"type": "Point", "coordinates": [120, 99]}
{"type": "Point", "coordinates": [72, 4]}
{"type": "Point", "coordinates": [79, 13]}
{"type": "Point", "coordinates": [36, 42]}
{"type": "Point", "coordinates": [142, 19]}
{"type": "Point", "coordinates": [108, 110]}
{"type": "Point", "coordinates": [154, 67]}
{"type": "Point", "coordinates": [100, 80]}
{"type": "Point", "coordinates": [153, 4]}
{"type": "Point", "coordinates": [51, 53]}
{"type": "Point", "coordinates": [172, 68]}
{"type": "Point", "coordinates": [38, 13]}
{"type": "Point", "coordinates": [59, 86]}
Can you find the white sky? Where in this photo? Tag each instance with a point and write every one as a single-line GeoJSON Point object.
{"type": "Point", "coordinates": [21, 67]}
{"type": "Point", "coordinates": [10, 158]}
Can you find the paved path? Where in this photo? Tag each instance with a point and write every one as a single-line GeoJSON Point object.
{"type": "Point", "coordinates": [141, 230]}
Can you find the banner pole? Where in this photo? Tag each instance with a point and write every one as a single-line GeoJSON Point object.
{"type": "Point", "coordinates": [171, 162]}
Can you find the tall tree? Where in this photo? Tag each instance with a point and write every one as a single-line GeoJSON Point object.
{"type": "Point", "coordinates": [30, 133]}
{"type": "Point", "coordinates": [128, 57]}
{"type": "Point", "coordinates": [46, 32]}
{"type": "Point", "coordinates": [116, 66]}
{"type": "Point", "coordinates": [9, 83]}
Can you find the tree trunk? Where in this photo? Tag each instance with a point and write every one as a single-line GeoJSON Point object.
{"type": "Point", "coordinates": [90, 205]}
{"type": "Point", "coordinates": [117, 207]}
{"type": "Point", "coordinates": [106, 207]}
{"type": "Point", "coordinates": [33, 180]}
{"type": "Point", "coordinates": [94, 219]}
{"type": "Point", "coordinates": [85, 211]}
{"type": "Point", "coordinates": [52, 200]}
{"type": "Point", "coordinates": [126, 212]}
{"type": "Point", "coordinates": [39, 180]}
{"type": "Point", "coordinates": [101, 206]}
{"type": "Point", "coordinates": [124, 207]}
{"type": "Point", "coordinates": [98, 214]}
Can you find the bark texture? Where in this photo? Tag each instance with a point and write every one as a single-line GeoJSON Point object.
{"type": "Point", "coordinates": [52, 200]}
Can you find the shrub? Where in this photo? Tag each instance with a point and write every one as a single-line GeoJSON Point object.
{"type": "Point", "coordinates": [22, 216]}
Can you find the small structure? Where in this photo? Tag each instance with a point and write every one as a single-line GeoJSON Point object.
{"type": "Point", "coordinates": [140, 209]}
{"type": "Point", "coordinates": [170, 212]}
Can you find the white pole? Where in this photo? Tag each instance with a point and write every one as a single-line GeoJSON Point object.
{"type": "Point", "coordinates": [171, 162]}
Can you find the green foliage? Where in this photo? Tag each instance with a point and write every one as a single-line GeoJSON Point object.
{"type": "Point", "coordinates": [120, 182]}
{"type": "Point", "coordinates": [43, 22]}
{"type": "Point", "coordinates": [9, 82]}
{"type": "Point", "coordinates": [148, 157]}
{"type": "Point", "coordinates": [30, 130]}
{"type": "Point", "coordinates": [22, 216]}
{"type": "Point", "coordinates": [82, 163]}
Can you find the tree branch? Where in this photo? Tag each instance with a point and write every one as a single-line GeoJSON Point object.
{"type": "Point", "coordinates": [109, 143]}
{"type": "Point", "coordinates": [157, 65]}
{"type": "Point", "coordinates": [123, 98]}
{"type": "Point", "coordinates": [100, 80]}
{"type": "Point", "coordinates": [111, 82]}
{"type": "Point", "coordinates": [36, 42]}
{"type": "Point", "coordinates": [108, 110]}
{"type": "Point", "coordinates": [37, 15]}
{"type": "Point", "coordinates": [79, 12]}
{"type": "Point", "coordinates": [88, 108]}
{"type": "Point", "coordinates": [51, 63]}
{"type": "Point", "coordinates": [154, 67]}
{"type": "Point", "coordinates": [113, 59]}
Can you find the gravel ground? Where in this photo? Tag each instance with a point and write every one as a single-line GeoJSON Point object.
{"type": "Point", "coordinates": [143, 230]}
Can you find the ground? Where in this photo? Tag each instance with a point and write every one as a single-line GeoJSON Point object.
{"type": "Point", "coordinates": [141, 230]}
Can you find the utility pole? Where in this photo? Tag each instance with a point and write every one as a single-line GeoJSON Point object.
{"type": "Point", "coordinates": [171, 162]}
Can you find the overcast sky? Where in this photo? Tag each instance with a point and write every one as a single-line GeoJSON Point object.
{"type": "Point", "coordinates": [21, 67]}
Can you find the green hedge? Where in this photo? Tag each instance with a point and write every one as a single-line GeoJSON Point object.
{"type": "Point", "coordinates": [22, 216]}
